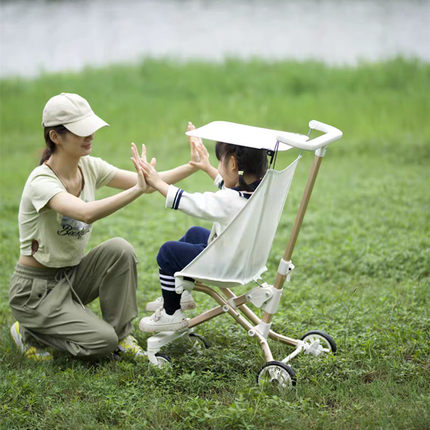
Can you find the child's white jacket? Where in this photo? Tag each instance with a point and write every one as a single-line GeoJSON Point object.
{"type": "Point", "coordinates": [220, 207]}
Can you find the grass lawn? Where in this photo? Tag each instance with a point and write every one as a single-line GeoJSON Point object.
{"type": "Point", "coordinates": [362, 258]}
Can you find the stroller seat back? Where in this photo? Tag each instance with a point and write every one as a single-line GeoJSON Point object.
{"type": "Point", "coordinates": [239, 254]}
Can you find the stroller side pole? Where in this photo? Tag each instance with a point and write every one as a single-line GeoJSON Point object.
{"type": "Point", "coordinates": [280, 278]}
{"type": "Point", "coordinates": [302, 209]}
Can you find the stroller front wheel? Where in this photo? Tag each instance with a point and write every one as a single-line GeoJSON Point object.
{"type": "Point", "coordinates": [198, 341]}
{"type": "Point", "coordinates": [163, 360]}
{"type": "Point", "coordinates": [276, 373]}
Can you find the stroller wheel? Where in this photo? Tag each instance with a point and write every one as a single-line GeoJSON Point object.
{"type": "Point", "coordinates": [163, 360]}
{"type": "Point", "coordinates": [278, 374]}
{"type": "Point", "coordinates": [326, 343]}
{"type": "Point", "coordinates": [198, 341]}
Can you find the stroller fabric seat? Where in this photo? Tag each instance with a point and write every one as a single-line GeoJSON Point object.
{"type": "Point", "coordinates": [239, 254]}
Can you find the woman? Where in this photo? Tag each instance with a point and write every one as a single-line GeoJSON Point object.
{"type": "Point", "coordinates": [53, 279]}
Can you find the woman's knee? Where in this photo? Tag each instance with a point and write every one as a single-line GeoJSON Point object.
{"type": "Point", "coordinates": [99, 340]}
{"type": "Point", "coordinates": [106, 341]}
{"type": "Point", "coordinates": [119, 247]}
{"type": "Point", "coordinates": [110, 340]}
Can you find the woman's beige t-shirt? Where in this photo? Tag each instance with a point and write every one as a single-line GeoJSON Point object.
{"type": "Point", "coordinates": [61, 240]}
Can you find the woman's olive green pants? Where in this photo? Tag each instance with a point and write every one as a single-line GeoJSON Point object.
{"type": "Point", "coordinates": [49, 303]}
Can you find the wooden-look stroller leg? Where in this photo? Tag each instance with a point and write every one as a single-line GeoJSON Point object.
{"type": "Point", "coordinates": [256, 320]}
{"type": "Point", "coordinates": [282, 276]}
{"type": "Point", "coordinates": [227, 307]}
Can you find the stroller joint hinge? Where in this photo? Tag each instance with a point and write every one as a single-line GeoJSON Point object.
{"type": "Point", "coordinates": [258, 296]}
{"type": "Point", "coordinates": [261, 328]}
{"type": "Point", "coordinates": [232, 303]}
{"type": "Point", "coordinates": [272, 305]}
{"type": "Point", "coordinates": [320, 152]}
{"type": "Point", "coordinates": [285, 268]}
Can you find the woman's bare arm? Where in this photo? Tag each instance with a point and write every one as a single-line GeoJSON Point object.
{"type": "Point", "coordinates": [88, 212]}
{"type": "Point", "coordinates": [125, 179]}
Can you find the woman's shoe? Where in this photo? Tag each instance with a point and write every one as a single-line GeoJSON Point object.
{"type": "Point", "coordinates": [29, 351]}
{"type": "Point", "coordinates": [130, 346]}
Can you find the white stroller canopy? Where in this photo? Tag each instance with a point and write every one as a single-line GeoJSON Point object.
{"type": "Point", "coordinates": [246, 135]}
{"type": "Point", "coordinates": [239, 254]}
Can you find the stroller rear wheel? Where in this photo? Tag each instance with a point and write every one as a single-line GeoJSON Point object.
{"type": "Point", "coordinates": [276, 373]}
{"type": "Point", "coordinates": [327, 343]}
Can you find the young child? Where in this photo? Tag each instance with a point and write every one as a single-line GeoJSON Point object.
{"type": "Point", "coordinates": [240, 171]}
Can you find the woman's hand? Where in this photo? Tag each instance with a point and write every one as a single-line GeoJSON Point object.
{"type": "Point", "coordinates": [195, 143]}
{"type": "Point", "coordinates": [141, 184]}
{"type": "Point", "coordinates": [142, 158]}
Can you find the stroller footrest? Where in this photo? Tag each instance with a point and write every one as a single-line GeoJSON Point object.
{"type": "Point", "coordinates": [156, 342]}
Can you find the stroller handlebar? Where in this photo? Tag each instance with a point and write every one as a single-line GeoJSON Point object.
{"type": "Point", "coordinates": [331, 134]}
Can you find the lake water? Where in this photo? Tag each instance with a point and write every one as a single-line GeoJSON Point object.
{"type": "Point", "coordinates": [68, 35]}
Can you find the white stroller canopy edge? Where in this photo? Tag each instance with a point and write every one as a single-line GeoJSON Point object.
{"type": "Point", "coordinates": [246, 135]}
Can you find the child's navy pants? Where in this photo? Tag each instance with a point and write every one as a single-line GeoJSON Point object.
{"type": "Point", "coordinates": [173, 256]}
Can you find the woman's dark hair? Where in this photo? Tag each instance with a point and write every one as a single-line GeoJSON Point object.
{"type": "Point", "coordinates": [249, 160]}
{"type": "Point", "coordinates": [50, 145]}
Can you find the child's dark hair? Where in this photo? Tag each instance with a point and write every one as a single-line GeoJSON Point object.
{"type": "Point", "coordinates": [50, 145]}
{"type": "Point", "coordinates": [249, 160]}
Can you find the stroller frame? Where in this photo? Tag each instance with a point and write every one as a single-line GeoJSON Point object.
{"type": "Point", "coordinates": [263, 296]}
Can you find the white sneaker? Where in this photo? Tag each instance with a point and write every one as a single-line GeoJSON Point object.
{"type": "Point", "coordinates": [160, 321]}
{"type": "Point", "coordinates": [187, 302]}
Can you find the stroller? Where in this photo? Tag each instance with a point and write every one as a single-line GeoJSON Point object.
{"type": "Point", "coordinates": [239, 254]}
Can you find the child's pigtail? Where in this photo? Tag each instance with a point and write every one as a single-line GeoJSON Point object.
{"type": "Point", "coordinates": [250, 161]}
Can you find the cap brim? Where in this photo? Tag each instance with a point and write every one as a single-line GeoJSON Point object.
{"type": "Point", "coordinates": [86, 126]}
{"type": "Point", "coordinates": [244, 135]}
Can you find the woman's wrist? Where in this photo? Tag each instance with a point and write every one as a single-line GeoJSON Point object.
{"type": "Point", "coordinates": [191, 167]}
{"type": "Point", "coordinates": [137, 190]}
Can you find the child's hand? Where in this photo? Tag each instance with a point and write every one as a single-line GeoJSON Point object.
{"type": "Point", "coordinates": [203, 162]}
{"type": "Point", "coordinates": [153, 178]}
{"type": "Point", "coordinates": [199, 153]}
{"type": "Point", "coordinates": [151, 175]}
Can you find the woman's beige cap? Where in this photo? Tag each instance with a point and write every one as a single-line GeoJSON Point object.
{"type": "Point", "coordinates": [72, 111]}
